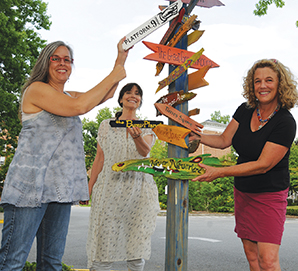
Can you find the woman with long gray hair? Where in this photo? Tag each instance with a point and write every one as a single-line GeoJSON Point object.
{"type": "Point", "coordinates": [47, 174]}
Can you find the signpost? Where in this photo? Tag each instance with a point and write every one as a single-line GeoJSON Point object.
{"type": "Point", "coordinates": [178, 79]}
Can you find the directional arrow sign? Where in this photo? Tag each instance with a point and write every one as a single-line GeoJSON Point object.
{"type": "Point", "coordinates": [175, 98]}
{"type": "Point", "coordinates": [205, 3]}
{"type": "Point", "coordinates": [176, 56]}
{"type": "Point", "coordinates": [179, 70]}
{"type": "Point", "coordinates": [194, 36]}
{"type": "Point", "coordinates": [176, 38]}
{"type": "Point", "coordinates": [179, 117]}
{"type": "Point", "coordinates": [172, 134]}
{"type": "Point", "coordinates": [173, 26]}
{"type": "Point", "coordinates": [135, 123]}
{"type": "Point", "coordinates": [151, 25]}
{"type": "Point", "coordinates": [196, 79]}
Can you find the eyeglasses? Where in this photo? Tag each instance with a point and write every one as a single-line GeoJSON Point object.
{"type": "Point", "coordinates": [58, 59]}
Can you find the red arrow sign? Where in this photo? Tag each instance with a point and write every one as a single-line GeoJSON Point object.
{"type": "Point", "coordinates": [176, 56]}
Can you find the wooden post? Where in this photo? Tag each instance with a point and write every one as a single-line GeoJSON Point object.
{"type": "Point", "coordinates": [177, 204]}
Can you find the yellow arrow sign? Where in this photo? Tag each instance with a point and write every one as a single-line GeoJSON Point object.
{"type": "Point", "coordinates": [172, 134]}
{"type": "Point", "coordinates": [194, 36]}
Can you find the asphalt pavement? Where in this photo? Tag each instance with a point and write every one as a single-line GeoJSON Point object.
{"type": "Point", "coordinates": [212, 244]}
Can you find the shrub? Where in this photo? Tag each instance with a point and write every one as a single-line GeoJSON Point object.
{"type": "Point", "coordinates": [32, 267]}
{"type": "Point", "coordinates": [291, 211]}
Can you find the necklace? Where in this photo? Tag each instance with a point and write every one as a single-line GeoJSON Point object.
{"type": "Point", "coordinates": [265, 120]}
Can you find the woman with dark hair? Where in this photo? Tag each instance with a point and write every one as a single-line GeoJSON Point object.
{"type": "Point", "coordinates": [124, 205]}
{"type": "Point", "coordinates": [48, 174]}
{"type": "Point", "coordinates": [262, 131]}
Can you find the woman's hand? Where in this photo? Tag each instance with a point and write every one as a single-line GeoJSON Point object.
{"type": "Point", "coordinates": [122, 54]}
{"type": "Point", "coordinates": [211, 173]}
{"type": "Point", "coordinates": [135, 132]}
{"type": "Point", "coordinates": [193, 136]}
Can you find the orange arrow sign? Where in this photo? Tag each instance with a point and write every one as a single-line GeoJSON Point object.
{"type": "Point", "coordinates": [179, 117]}
{"type": "Point", "coordinates": [179, 70]}
{"type": "Point", "coordinates": [176, 56]}
{"type": "Point", "coordinates": [172, 134]}
{"type": "Point", "coordinates": [196, 79]}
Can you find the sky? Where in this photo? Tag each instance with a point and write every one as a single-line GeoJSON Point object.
{"type": "Point", "coordinates": [233, 37]}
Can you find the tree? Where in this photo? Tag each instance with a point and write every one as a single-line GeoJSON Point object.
{"type": "Point", "coordinates": [262, 7]}
{"type": "Point", "coordinates": [90, 129]}
{"type": "Point", "coordinates": [293, 166]}
{"type": "Point", "coordinates": [216, 116]}
{"type": "Point", "coordinates": [160, 151]}
{"type": "Point", "coordinates": [19, 48]}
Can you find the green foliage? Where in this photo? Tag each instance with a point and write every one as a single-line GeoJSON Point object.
{"type": "Point", "coordinates": [19, 48]}
{"type": "Point", "coordinates": [90, 129]}
{"type": "Point", "coordinates": [216, 116]}
{"type": "Point", "coordinates": [292, 211]}
{"type": "Point", "coordinates": [293, 166]}
{"type": "Point", "coordinates": [262, 7]}
{"type": "Point", "coordinates": [32, 267]}
{"type": "Point", "coordinates": [216, 196]}
{"type": "Point", "coordinates": [160, 151]}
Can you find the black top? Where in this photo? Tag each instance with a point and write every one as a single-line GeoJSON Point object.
{"type": "Point", "coordinates": [280, 129]}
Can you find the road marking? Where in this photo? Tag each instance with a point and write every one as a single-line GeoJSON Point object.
{"type": "Point", "coordinates": [204, 239]}
{"type": "Point", "coordinates": [201, 239]}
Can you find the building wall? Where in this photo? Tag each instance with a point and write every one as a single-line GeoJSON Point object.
{"type": "Point", "coordinates": [212, 127]}
{"type": "Point", "coordinates": [206, 149]}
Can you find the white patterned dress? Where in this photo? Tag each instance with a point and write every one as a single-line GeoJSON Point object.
{"type": "Point", "coordinates": [124, 204]}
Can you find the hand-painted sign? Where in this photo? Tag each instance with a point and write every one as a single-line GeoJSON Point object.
{"type": "Point", "coordinates": [204, 3]}
{"type": "Point", "coordinates": [151, 25]}
{"type": "Point", "coordinates": [177, 37]}
{"type": "Point", "coordinates": [173, 168]}
{"type": "Point", "coordinates": [196, 79]}
{"type": "Point", "coordinates": [172, 134]}
{"type": "Point", "coordinates": [173, 26]}
{"type": "Point", "coordinates": [176, 56]}
{"type": "Point", "coordinates": [135, 123]}
{"type": "Point", "coordinates": [194, 36]}
{"type": "Point", "coordinates": [175, 98]}
{"type": "Point", "coordinates": [194, 112]}
{"type": "Point", "coordinates": [179, 117]}
{"type": "Point", "coordinates": [179, 70]}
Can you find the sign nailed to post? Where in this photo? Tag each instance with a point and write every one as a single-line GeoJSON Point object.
{"type": "Point", "coordinates": [205, 3]}
{"type": "Point", "coordinates": [151, 25]}
{"type": "Point", "coordinates": [179, 70]}
{"type": "Point", "coordinates": [176, 56]}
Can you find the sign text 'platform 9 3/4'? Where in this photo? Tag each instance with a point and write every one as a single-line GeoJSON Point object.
{"type": "Point", "coordinates": [179, 117]}
{"type": "Point", "coordinates": [151, 25]}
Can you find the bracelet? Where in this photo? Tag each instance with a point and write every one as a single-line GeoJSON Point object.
{"type": "Point", "coordinates": [136, 136]}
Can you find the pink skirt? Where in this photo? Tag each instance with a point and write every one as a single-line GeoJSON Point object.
{"type": "Point", "coordinates": [260, 217]}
